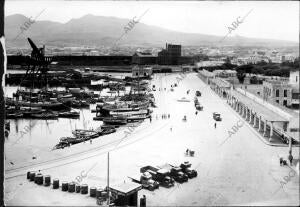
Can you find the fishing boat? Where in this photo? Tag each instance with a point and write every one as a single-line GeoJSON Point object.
{"type": "Point", "coordinates": [98, 118]}
{"type": "Point", "coordinates": [44, 105]}
{"type": "Point", "coordinates": [14, 115]}
{"type": "Point", "coordinates": [45, 115]}
{"type": "Point", "coordinates": [29, 111]}
{"type": "Point", "coordinates": [69, 114]}
{"type": "Point", "coordinates": [137, 117]}
{"type": "Point", "coordinates": [79, 104]}
{"type": "Point", "coordinates": [115, 120]}
{"type": "Point", "coordinates": [85, 133]}
{"type": "Point", "coordinates": [107, 130]}
{"type": "Point", "coordinates": [130, 113]}
{"type": "Point", "coordinates": [65, 98]}
{"type": "Point", "coordinates": [107, 108]}
{"type": "Point", "coordinates": [66, 142]}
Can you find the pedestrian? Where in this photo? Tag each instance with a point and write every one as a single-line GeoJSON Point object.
{"type": "Point", "coordinates": [162, 116]}
{"type": "Point", "coordinates": [150, 119]}
{"type": "Point", "coordinates": [281, 161]}
{"type": "Point", "coordinates": [290, 158]}
{"type": "Point", "coordinates": [171, 129]}
{"type": "Point", "coordinates": [91, 141]}
{"type": "Point", "coordinates": [196, 113]}
{"type": "Point", "coordinates": [215, 124]}
{"type": "Point", "coordinates": [156, 117]}
{"type": "Point", "coordinates": [187, 151]}
{"type": "Point", "coordinates": [168, 116]}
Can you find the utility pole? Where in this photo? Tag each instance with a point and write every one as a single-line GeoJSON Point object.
{"type": "Point", "coordinates": [108, 200]}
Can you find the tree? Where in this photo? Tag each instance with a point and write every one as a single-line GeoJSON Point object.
{"type": "Point", "coordinates": [241, 76]}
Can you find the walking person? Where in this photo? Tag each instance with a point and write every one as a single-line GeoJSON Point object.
{"type": "Point", "coordinates": [168, 116]}
{"type": "Point", "coordinates": [290, 157]}
{"type": "Point", "coordinates": [91, 141]}
{"type": "Point", "coordinates": [215, 124]}
{"type": "Point", "coordinates": [281, 161]}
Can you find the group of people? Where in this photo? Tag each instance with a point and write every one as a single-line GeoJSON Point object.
{"type": "Point", "coordinates": [160, 89]}
{"type": "Point", "coordinates": [164, 116]}
{"type": "Point", "coordinates": [189, 152]}
{"type": "Point", "coordinates": [290, 158]}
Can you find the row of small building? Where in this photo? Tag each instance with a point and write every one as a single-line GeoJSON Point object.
{"type": "Point", "coordinates": [263, 113]}
{"type": "Point", "coordinates": [169, 56]}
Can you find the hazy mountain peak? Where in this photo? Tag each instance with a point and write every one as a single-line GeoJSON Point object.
{"type": "Point", "coordinates": [102, 30]}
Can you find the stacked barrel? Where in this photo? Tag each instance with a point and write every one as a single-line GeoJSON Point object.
{"type": "Point", "coordinates": [70, 187]}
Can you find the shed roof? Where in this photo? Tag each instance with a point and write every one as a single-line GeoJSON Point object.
{"type": "Point", "coordinates": [125, 188]}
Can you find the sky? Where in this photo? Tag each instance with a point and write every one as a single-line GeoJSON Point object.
{"type": "Point", "coordinates": [267, 19]}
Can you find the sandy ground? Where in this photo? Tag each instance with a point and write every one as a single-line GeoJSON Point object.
{"type": "Point", "coordinates": [242, 171]}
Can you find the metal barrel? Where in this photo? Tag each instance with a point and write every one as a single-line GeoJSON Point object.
{"type": "Point", "coordinates": [84, 189]}
{"type": "Point", "coordinates": [47, 180]}
{"type": "Point", "coordinates": [55, 183]}
{"type": "Point", "coordinates": [71, 187]}
{"type": "Point", "coordinates": [104, 194]}
{"type": "Point", "coordinates": [64, 186]}
{"type": "Point", "coordinates": [32, 175]}
{"type": "Point", "coordinates": [93, 192]}
{"type": "Point", "coordinates": [98, 192]}
{"type": "Point", "coordinates": [39, 179]}
{"type": "Point", "coordinates": [77, 188]}
{"type": "Point", "coordinates": [28, 175]}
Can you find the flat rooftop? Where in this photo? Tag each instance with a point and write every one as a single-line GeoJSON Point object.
{"type": "Point", "coordinates": [126, 188]}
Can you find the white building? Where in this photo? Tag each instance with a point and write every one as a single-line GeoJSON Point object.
{"type": "Point", "coordinates": [294, 77]}
{"type": "Point", "coordinates": [141, 71]}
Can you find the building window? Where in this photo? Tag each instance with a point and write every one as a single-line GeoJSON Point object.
{"type": "Point", "coordinates": [285, 102]}
{"type": "Point", "coordinates": [277, 101]}
{"type": "Point", "coordinates": [285, 93]}
{"type": "Point", "coordinates": [277, 92]}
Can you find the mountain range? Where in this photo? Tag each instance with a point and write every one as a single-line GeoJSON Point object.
{"type": "Point", "coordinates": [98, 31]}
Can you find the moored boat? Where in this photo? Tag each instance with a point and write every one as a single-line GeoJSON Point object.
{"type": "Point", "coordinates": [79, 104]}
{"type": "Point", "coordinates": [14, 115]}
{"type": "Point", "coordinates": [69, 114]}
{"type": "Point", "coordinates": [115, 120]}
{"type": "Point", "coordinates": [85, 134]}
{"type": "Point", "coordinates": [44, 105]}
{"type": "Point", "coordinates": [44, 115]}
{"type": "Point", "coordinates": [137, 117]}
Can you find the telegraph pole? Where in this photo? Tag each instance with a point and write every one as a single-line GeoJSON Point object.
{"type": "Point", "coordinates": [108, 200]}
